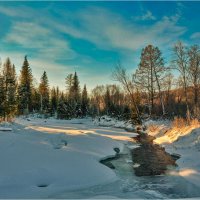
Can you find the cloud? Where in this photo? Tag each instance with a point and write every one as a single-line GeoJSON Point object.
{"type": "Point", "coordinates": [104, 28]}
{"type": "Point", "coordinates": [147, 16]}
{"type": "Point", "coordinates": [195, 36]}
{"type": "Point", "coordinates": [9, 11]}
{"type": "Point", "coordinates": [110, 30]}
{"type": "Point", "coordinates": [44, 34]}
{"type": "Point", "coordinates": [42, 40]}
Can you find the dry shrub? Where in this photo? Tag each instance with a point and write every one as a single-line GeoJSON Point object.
{"type": "Point", "coordinates": [195, 123]}
{"type": "Point", "coordinates": [152, 127]}
{"type": "Point", "coordinates": [8, 119]}
{"type": "Point", "coordinates": [179, 122]}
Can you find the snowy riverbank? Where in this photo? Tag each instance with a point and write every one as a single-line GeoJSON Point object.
{"type": "Point", "coordinates": [40, 158]}
{"type": "Point", "coordinates": [48, 158]}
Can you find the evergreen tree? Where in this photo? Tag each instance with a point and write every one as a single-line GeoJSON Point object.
{"type": "Point", "coordinates": [54, 100]}
{"type": "Point", "coordinates": [84, 102]}
{"type": "Point", "coordinates": [44, 93]}
{"type": "Point", "coordinates": [35, 99]}
{"type": "Point", "coordinates": [64, 110]}
{"type": "Point", "coordinates": [25, 88]}
{"type": "Point", "coordinates": [69, 83]}
{"type": "Point", "coordinates": [73, 94]}
{"type": "Point", "coordinates": [76, 89]}
{"type": "Point", "coordinates": [2, 96]}
{"type": "Point", "coordinates": [9, 90]}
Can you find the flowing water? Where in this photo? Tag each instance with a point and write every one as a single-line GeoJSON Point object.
{"type": "Point", "coordinates": [133, 187]}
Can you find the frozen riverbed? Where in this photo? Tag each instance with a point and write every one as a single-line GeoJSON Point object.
{"type": "Point", "coordinates": [60, 159]}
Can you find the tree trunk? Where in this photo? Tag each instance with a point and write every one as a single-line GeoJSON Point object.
{"type": "Point", "coordinates": [160, 94]}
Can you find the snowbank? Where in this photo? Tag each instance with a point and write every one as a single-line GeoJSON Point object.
{"type": "Point", "coordinates": [184, 141]}
{"type": "Point", "coordinates": [39, 163]}
{"type": "Point", "coordinates": [112, 122]}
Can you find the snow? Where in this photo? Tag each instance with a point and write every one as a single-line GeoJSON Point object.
{"type": "Point", "coordinates": [49, 158]}
{"type": "Point", "coordinates": [184, 141]}
{"type": "Point", "coordinates": [41, 158]}
{"type": "Point", "coordinates": [5, 129]}
{"type": "Point", "coordinates": [107, 121]}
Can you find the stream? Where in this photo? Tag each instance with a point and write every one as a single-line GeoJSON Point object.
{"type": "Point", "coordinates": [130, 186]}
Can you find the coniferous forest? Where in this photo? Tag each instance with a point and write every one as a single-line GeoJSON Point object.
{"type": "Point", "coordinates": [152, 90]}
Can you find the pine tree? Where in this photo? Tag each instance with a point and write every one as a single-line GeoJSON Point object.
{"type": "Point", "coordinates": [73, 94]}
{"type": "Point", "coordinates": [76, 89]}
{"type": "Point", "coordinates": [54, 100]}
{"type": "Point", "coordinates": [35, 99]}
{"type": "Point", "coordinates": [64, 110]}
{"type": "Point", "coordinates": [9, 90]}
{"type": "Point", "coordinates": [84, 102]}
{"type": "Point", "coordinates": [2, 96]}
{"type": "Point", "coordinates": [69, 82]}
{"type": "Point", "coordinates": [44, 93]}
{"type": "Point", "coordinates": [25, 88]}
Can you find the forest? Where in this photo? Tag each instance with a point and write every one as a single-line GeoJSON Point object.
{"type": "Point", "coordinates": [153, 90]}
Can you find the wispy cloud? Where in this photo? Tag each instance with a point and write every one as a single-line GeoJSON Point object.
{"type": "Point", "coordinates": [195, 35]}
{"type": "Point", "coordinates": [42, 40]}
{"type": "Point", "coordinates": [146, 16]}
{"type": "Point", "coordinates": [98, 25]}
{"type": "Point", "coordinates": [50, 35]}
{"type": "Point", "coordinates": [110, 30]}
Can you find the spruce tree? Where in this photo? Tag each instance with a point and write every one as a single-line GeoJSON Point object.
{"type": "Point", "coordinates": [64, 110]}
{"type": "Point", "coordinates": [54, 100]}
{"type": "Point", "coordinates": [44, 93]}
{"type": "Point", "coordinates": [76, 88]}
{"type": "Point", "coordinates": [9, 90]}
{"type": "Point", "coordinates": [69, 83]}
{"type": "Point", "coordinates": [25, 88]}
{"type": "Point", "coordinates": [76, 96]}
{"type": "Point", "coordinates": [2, 96]}
{"type": "Point", "coordinates": [35, 99]}
{"type": "Point", "coordinates": [84, 102]}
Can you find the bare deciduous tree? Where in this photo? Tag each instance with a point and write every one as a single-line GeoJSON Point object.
{"type": "Point", "coordinates": [180, 63]}
{"type": "Point", "coordinates": [121, 76]}
{"type": "Point", "coordinates": [194, 73]}
{"type": "Point", "coordinates": [150, 74]}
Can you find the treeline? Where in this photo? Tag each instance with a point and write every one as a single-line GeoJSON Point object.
{"type": "Point", "coordinates": [152, 90]}
{"type": "Point", "coordinates": [157, 90]}
{"type": "Point", "coordinates": [19, 95]}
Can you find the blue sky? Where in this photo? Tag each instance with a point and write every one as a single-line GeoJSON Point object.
{"type": "Point", "coordinates": [91, 37]}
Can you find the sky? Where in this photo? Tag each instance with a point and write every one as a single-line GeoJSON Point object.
{"type": "Point", "coordinates": [92, 37]}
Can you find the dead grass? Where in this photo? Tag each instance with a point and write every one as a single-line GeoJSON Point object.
{"type": "Point", "coordinates": [153, 127]}
{"type": "Point", "coordinates": [9, 119]}
{"type": "Point", "coordinates": [180, 122]}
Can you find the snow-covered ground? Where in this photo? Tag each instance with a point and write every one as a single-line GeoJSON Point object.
{"type": "Point", "coordinates": [48, 158]}
{"type": "Point", "coordinates": [183, 141]}
{"type": "Point", "coordinates": [41, 158]}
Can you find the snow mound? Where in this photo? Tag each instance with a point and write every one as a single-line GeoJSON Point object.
{"type": "Point", "coordinates": [112, 122]}
{"type": "Point", "coordinates": [5, 129]}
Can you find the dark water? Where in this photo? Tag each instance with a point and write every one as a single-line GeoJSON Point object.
{"type": "Point", "coordinates": [131, 186]}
